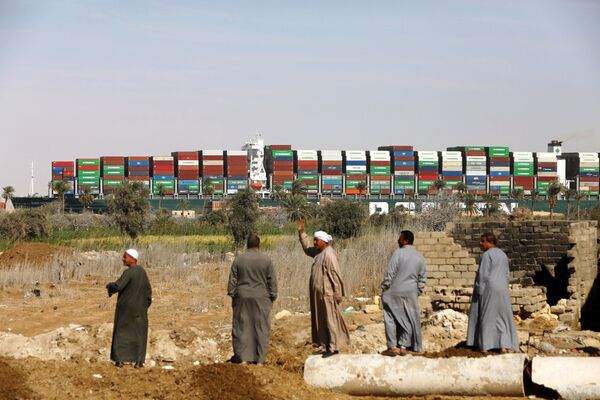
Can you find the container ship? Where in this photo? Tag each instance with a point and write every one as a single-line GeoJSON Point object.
{"type": "Point", "coordinates": [390, 171]}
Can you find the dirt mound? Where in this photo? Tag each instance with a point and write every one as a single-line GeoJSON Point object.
{"type": "Point", "coordinates": [32, 254]}
{"type": "Point", "coordinates": [227, 381]}
{"type": "Point", "coordinates": [12, 384]}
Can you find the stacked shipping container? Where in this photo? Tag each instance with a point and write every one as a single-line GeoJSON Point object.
{"type": "Point", "coordinates": [280, 164]}
{"type": "Point", "coordinates": [331, 172]}
{"type": "Point", "coordinates": [64, 171]}
{"type": "Point", "coordinates": [547, 171]}
{"type": "Point", "coordinates": [187, 165]}
{"type": "Point", "coordinates": [380, 170]}
{"type": "Point", "coordinates": [403, 167]}
{"type": "Point", "coordinates": [523, 171]}
{"type": "Point", "coordinates": [163, 175]}
{"type": "Point", "coordinates": [213, 171]}
{"type": "Point", "coordinates": [499, 170]}
{"type": "Point", "coordinates": [307, 170]}
{"type": "Point", "coordinates": [88, 175]}
{"type": "Point", "coordinates": [355, 164]}
{"type": "Point", "coordinates": [583, 168]}
{"type": "Point", "coordinates": [475, 168]}
{"type": "Point", "coordinates": [237, 171]}
{"type": "Point", "coordinates": [428, 164]}
{"type": "Point", "coordinates": [452, 173]}
{"type": "Point", "coordinates": [138, 170]}
{"type": "Point", "coordinates": [113, 173]}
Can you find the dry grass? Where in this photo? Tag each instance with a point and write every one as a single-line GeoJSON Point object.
{"type": "Point", "coordinates": [363, 261]}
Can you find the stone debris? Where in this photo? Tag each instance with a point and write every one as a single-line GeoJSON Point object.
{"type": "Point", "coordinates": [282, 314]}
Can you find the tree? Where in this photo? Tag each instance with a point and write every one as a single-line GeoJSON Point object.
{"type": "Point", "coordinates": [492, 203]}
{"type": "Point", "coordinates": [569, 195]}
{"type": "Point", "coordinates": [517, 194]}
{"type": "Point", "coordinates": [470, 204]}
{"type": "Point", "coordinates": [343, 218]}
{"type": "Point", "coordinates": [533, 195]}
{"type": "Point", "coordinates": [8, 193]}
{"type": "Point", "coordinates": [61, 187]}
{"type": "Point", "coordinates": [578, 197]}
{"type": "Point", "coordinates": [161, 191]}
{"type": "Point", "coordinates": [362, 187]}
{"type": "Point", "coordinates": [24, 224]}
{"type": "Point", "coordinates": [460, 187]}
{"type": "Point", "coordinates": [298, 188]}
{"type": "Point", "coordinates": [184, 204]}
{"type": "Point", "coordinates": [86, 198]}
{"type": "Point", "coordinates": [553, 191]}
{"type": "Point", "coordinates": [129, 206]}
{"type": "Point", "coordinates": [207, 187]}
{"type": "Point", "coordinates": [243, 215]}
{"type": "Point", "coordinates": [439, 185]}
{"type": "Point", "coordinates": [296, 207]}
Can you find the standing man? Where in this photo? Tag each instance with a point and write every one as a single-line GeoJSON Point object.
{"type": "Point", "coordinates": [326, 291]}
{"type": "Point", "coordinates": [403, 282]}
{"type": "Point", "coordinates": [253, 289]}
{"type": "Point", "coordinates": [130, 331]}
{"type": "Point", "coordinates": [491, 323]}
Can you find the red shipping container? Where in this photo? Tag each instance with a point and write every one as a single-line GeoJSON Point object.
{"type": "Point", "coordinates": [89, 168]}
{"type": "Point", "coordinates": [380, 177]}
{"type": "Point", "coordinates": [499, 159]}
{"type": "Point", "coordinates": [280, 147]}
{"type": "Point", "coordinates": [588, 179]}
{"type": "Point", "coordinates": [499, 178]}
{"type": "Point", "coordinates": [404, 158]}
{"type": "Point", "coordinates": [68, 174]}
{"type": "Point", "coordinates": [63, 163]}
{"type": "Point", "coordinates": [452, 178]}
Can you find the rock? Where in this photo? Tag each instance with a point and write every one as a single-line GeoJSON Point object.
{"type": "Point", "coordinates": [282, 314]}
{"type": "Point", "coordinates": [371, 309]}
{"type": "Point", "coordinates": [376, 300]}
{"type": "Point", "coordinates": [557, 309]}
{"type": "Point", "coordinates": [547, 347]}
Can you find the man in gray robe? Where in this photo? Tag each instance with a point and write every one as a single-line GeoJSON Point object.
{"type": "Point", "coordinates": [326, 292]}
{"type": "Point", "coordinates": [130, 331]}
{"type": "Point", "coordinates": [491, 323]}
{"type": "Point", "coordinates": [253, 289]}
{"type": "Point", "coordinates": [403, 282]}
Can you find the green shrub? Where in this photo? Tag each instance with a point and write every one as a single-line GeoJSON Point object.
{"type": "Point", "coordinates": [343, 218]}
{"type": "Point", "coordinates": [25, 224]}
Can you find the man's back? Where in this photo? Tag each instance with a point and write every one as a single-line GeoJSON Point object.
{"type": "Point", "coordinates": [406, 272]}
{"type": "Point", "coordinates": [253, 276]}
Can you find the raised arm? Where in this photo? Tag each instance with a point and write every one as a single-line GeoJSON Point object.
{"type": "Point", "coordinates": [308, 250]}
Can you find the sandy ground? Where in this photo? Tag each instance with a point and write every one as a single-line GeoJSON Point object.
{"type": "Point", "coordinates": [57, 345]}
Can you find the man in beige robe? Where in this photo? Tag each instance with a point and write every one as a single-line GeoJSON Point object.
{"type": "Point", "coordinates": [326, 291]}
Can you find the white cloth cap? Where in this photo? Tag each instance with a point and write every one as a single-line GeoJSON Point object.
{"type": "Point", "coordinates": [133, 253]}
{"type": "Point", "coordinates": [324, 236]}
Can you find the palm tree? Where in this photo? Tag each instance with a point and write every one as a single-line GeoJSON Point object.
{"type": "Point", "coordinates": [61, 187]}
{"type": "Point", "coordinates": [553, 191]}
{"type": "Point", "coordinates": [470, 204]}
{"type": "Point", "coordinates": [460, 187]}
{"type": "Point", "coordinates": [578, 197]}
{"type": "Point", "coordinates": [86, 198]}
{"type": "Point", "coordinates": [161, 191]}
{"type": "Point", "coordinates": [362, 187]}
{"type": "Point", "coordinates": [207, 187]}
{"type": "Point", "coordinates": [492, 203]}
{"type": "Point", "coordinates": [296, 207]}
{"type": "Point", "coordinates": [516, 194]}
{"type": "Point", "coordinates": [8, 192]}
{"type": "Point", "coordinates": [439, 185]}
{"type": "Point", "coordinates": [569, 195]}
{"type": "Point", "coordinates": [533, 195]}
{"type": "Point", "coordinates": [298, 187]}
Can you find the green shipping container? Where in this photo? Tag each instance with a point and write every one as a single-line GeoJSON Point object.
{"type": "Point", "coordinates": [282, 153]}
{"type": "Point", "coordinates": [94, 161]}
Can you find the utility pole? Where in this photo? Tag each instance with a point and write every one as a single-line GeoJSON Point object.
{"type": "Point", "coordinates": [32, 185]}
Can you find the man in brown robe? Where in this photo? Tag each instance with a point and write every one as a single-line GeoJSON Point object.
{"type": "Point", "coordinates": [253, 289]}
{"type": "Point", "coordinates": [326, 291]}
{"type": "Point", "coordinates": [130, 331]}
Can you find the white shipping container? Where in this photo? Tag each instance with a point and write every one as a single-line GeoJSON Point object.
{"type": "Point", "coordinates": [404, 173]}
{"type": "Point", "coordinates": [590, 155]}
{"type": "Point", "coordinates": [161, 158]}
{"type": "Point", "coordinates": [451, 154]}
{"type": "Point", "coordinates": [427, 154]}
{"type": "Point", "coordinates": [476, 159]}
{"type": "Point", "coordinates": [475, 173]}
{"type": "Point", "coordinates": [237, 153]}
{"type": "Point", "coordinates": [355, 153]}
{"type": "Point", "coordinates": [212, 152]}
{"type": "Point", "coordinates": [356, 168]}
{"type": "Point", "coordinates": [546, 157]}
{"type": "Point", "coordinates": [188, 162]}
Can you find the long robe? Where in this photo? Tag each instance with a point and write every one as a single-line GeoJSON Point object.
{"type": "Point", "coordinates": [491, 323]}
{"type": "Point", "coordinates": [130, 331]}
{"type": "Point", "coordinates": [403, 281]}
{"type": "Point", "coordinates": [253, 288]}
{"type": "Point", "coordinates": [328, 326]}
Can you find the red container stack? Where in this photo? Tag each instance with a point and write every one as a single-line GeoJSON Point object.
{"type": "Point", "coordinates": [188, 172]}
{"type": "Point", "coordinates": [138, 170]}
{"type": "Point", "coordinates": [213, 170]}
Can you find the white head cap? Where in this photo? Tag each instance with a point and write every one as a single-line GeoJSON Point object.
{"type": "Point", "coordinates": [323, 236]}
{"type": "Point", "coordinates": [133, 253]}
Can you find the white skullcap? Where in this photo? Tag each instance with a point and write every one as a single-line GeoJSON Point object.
{"type": "Point", "coordinates": [323, 236]}
{"type": "Point", "coordinates": [133, 253]}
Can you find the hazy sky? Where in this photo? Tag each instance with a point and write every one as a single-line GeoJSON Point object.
{"type": "Point", "coordinates": [89, 78]}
